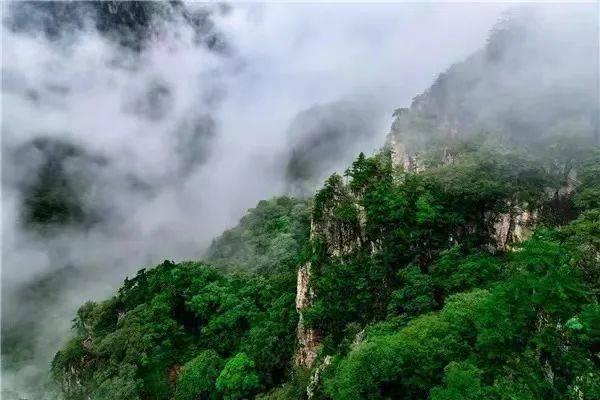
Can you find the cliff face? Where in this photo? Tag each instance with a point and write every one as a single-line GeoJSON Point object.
{"type": "Point", "coordinates": [308, 338]}
{"type": "Point", "coordinates": [497, 90]}
{"type": "Point", "coordinates": [513, 227]}
{"type": "Point", "coordinates": [338, 225]}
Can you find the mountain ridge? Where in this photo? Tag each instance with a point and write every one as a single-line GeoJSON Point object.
{"type": "Point", "coordinates": [459, 262]}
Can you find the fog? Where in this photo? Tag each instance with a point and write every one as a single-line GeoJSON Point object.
{"type": "Point", "coordinates": [536, 78]}
{"type": "Point", "coordinates": [166, 143]}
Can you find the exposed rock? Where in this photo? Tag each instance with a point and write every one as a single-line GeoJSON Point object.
{"type": "Point", "coordinates": [512, 227]}
{"type": "Point", "coordinates": [359, 338]}
{"type": "Point", "coordinates": [308, 338]}
{"type": "Point", "coordinates": [571, 183]}
{"type": "Point", "coordinates": [402, 158]}
{"type": "Point", "coordinates": [342, 237]}
{"type": "Point", "coordinates": [308, 342]}
{"type": "Point", "coordinates": [304, 293]}
{"type": "Point", "coordinates": [173, 373]}
{"type": "Point", "coordinates": [315, 379]}
{"type": "Point", "coordinates": [71, 382]}
{"type": "Point", "coordinates": [345, 234]}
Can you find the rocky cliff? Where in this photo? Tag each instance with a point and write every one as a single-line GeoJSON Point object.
{"type": "Point", "coordinates": [337, 229]}
{"type": "Point", "coordinates": [308, 338]}
{"type": "Point", "coordinates": [497, 91]}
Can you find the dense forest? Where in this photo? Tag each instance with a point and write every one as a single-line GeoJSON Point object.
{"type": "Point", "coordinates": [414, 292]}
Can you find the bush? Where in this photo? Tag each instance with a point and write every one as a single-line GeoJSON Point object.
{"type": "Point", "coordinates": [198, 376]}
{"type": "Point", "coordinates": [239, 379]}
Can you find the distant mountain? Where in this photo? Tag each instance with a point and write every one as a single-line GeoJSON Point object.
{"type": "Point", "coordinates": [326, 137]}
{"type": "Point", "coordinates": [132, 24]}
{"type": "Point", "coordinates": [537, 77]}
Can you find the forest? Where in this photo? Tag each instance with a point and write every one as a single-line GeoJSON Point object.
{"type": "Point", "coordinates": [413, 293]}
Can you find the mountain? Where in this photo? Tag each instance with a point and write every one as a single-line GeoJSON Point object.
{"type": "Point", "coordinates": [536, 79]}
{"type": "Point", "coordinates": [131, 24]}
{"type": "Point", "coordinates": [459, 262]}
{"type": "Point", "coordinates": [404, 291]}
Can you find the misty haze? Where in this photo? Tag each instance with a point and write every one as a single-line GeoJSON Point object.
{"type": "Point", "coordinates": [307, 201]}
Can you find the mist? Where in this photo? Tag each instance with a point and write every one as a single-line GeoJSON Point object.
{"type": "Point", "coordinates": [165, 141]}
{"type": "Point", "coordinates": [536, 78]}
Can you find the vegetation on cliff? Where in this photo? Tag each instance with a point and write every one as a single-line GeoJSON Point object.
{"type": "Point", "coordinates": [414, 293]}
{"type": "Point", "coordinates": [269, 238]}
{"type": "Point", "coordinates": [188, 330]}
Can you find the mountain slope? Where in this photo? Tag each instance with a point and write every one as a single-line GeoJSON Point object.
{"type": "Point", "coordinates": [405, 274]}
{"type": "Point", "coordinates": [460, 262]}
{"type": "Point", "coordinates": [537, 78]}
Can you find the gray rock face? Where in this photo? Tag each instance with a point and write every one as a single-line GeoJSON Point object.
{"type": "Point", "coordinates": [341, 238]}
{"type": "Point", "coordinates": [315, 379]}
{"type": "Point", "coordinates": [513, 227]}
{"type": "Point", "coordinates": [308, 338]}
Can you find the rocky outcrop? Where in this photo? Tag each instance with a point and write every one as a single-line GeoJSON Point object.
{"type": "Point", "coordinates": [308, 338]}
{"type": "Point", "coordinates": [341, 237]}
{"type": "Point", "coordinates": [315, 379]}
{"type": "Point", "coordinates": [339, 223]}
{"type": "Point", "coordinates": [71, 382]}
{"type": "Point", "coordinates": [401, 157]}
{"type": "Point", "coordinates": [512, 227]}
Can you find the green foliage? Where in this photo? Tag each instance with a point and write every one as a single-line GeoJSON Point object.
{"type": "Point", "coordinates": [333, 194]}
{"type": "Point", "coordinates": [124, 385]}
{"type": "Point", "coordinates": [267, 239]}
{"type": "Point", "coordinates": [294, 388]}
{"type": "Point", "coordinates": [456, 272]}
{"type": "Point", "coordinates": [431, 237]}
{"type": "Point", "coordinates": [413, 299]}
{"type": "Point", "coordinates": [239, 379]}
{"type": "Point", "coordinates": [513, 336]}
{"type": "Point", "coordinates": [198, 376]}
{"type": "Point", "coordinates": [159, 319]}
{"type": "Point", "coordinates": [415, 295]}
{"type": "Point", "coordinates": [426, 234]}
{"type": "Point", "coordinates": [404, 364]}
{"type": "Point", "coordinates": [462, 381]}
